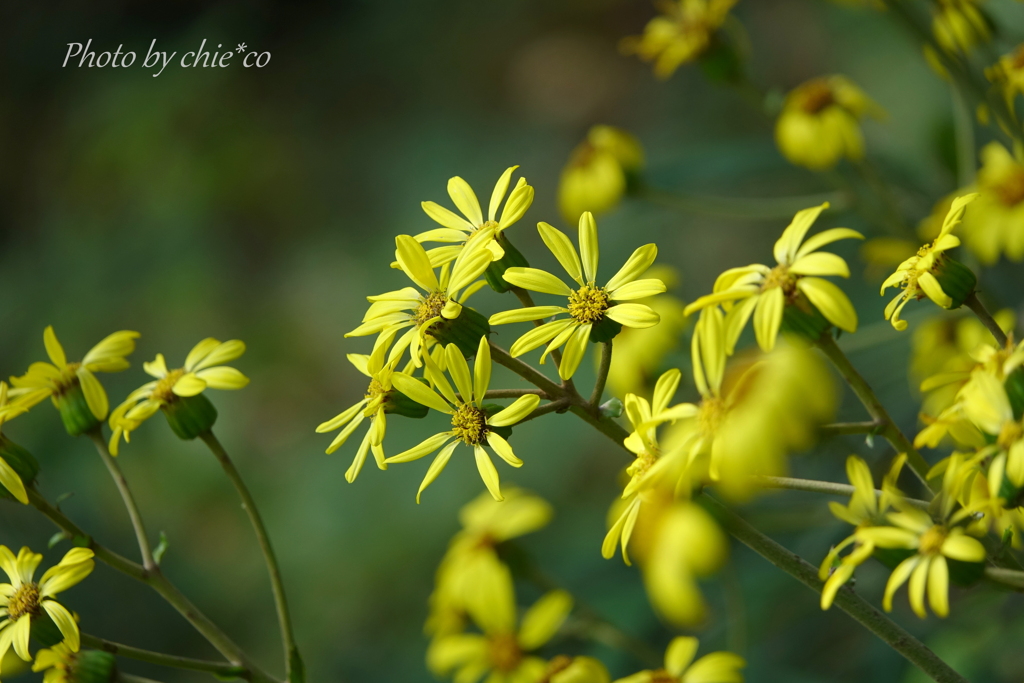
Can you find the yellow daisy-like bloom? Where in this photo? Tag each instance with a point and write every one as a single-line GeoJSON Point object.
{"type": "Point", "coordinates": [995, 224]}
{"type": "Point", "coordinates": [57, 662]}
{"type": "Point", "coordinates": [717, 667]}
{"type": "Point", "coordinates": [9, 477]}
{"type": "Point", "coordinates": [372, 406]}
{"type": "Point", "coordinates": [819, 122]}
{"type": "Point", "coordinates": [918, 276]}
{"type": "Point", "coordinates": [67, 383]}
{"type": "Point", "coordinates": [471, 423]}
{"type": "Point", "coordinates": [796, 280]}
{"type": "Point", "coordinates": [866, 508]}
{"type": "Point", "coordinates": [24, 599]}
{"type": "Point", "coordinates": [591, 308]}
{"type": "Point", "coordinates": [959, 25]}
{"type": "Point", "coordinates": [1008, 73]}
{"type": "Point", "coordinates": [598, 172]}
{"type": "Point", "coordinates": [458, 229]}
{"type": "Point", "coordinates": [203, 370]}
{"type": "Point", "coordinates": [984, 402]}
{"type": "Point", "coordinates": [682, 33]}
{"type": "Point", "coordinates": [932, 542]}
{"type": "Point", "coordinates": [440, 301]}
{"type": "Point", "coordinates": [501, 650]}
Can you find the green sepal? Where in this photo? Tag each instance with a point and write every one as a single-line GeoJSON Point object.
{"type": "Point", "coordinates": [74, 410]}
{"type": "Point", "coordinates": [21, 461]}
{"type": "Point", "coordinates": [465, 331]}
{"type": "Point", "coordinates": [1014, 386]}
{"type": "Point", "coordinates": [513, 258]}
{"type": "Point", "coordinates": [93, 666]}
{"type": "Point", "coordinates": [398, 403]}
{"type": "Point", "coordinates": [965, 573]}
{"type": "Point", "coordinates": [604, 330]}
{"type": "Point", "coordinates": [891, 557]}
{"type": "Point", "coordinates": [44, 631]}
{"type": "Point", "coordinates": [190, 416]}
{"type": "Point", "coordinates": [802, 318]}
{"type": "Point", "coordinates": [493, 409]}
{"type": "Point", "coordinates": [956, 279]}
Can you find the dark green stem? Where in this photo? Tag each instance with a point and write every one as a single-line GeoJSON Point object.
{"type": "Point", "coordinates": [126, 495]}
{"type": "Point", "coordinates": [219, 669]}
{"type": "Point", "coordinates": [826, 487]}
{"type": "Point", "coordinates": [974, 303]}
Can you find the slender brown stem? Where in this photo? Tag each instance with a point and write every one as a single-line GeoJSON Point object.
{"type": "Point", "coordinates": [126, 495]}
{"type": "Point", "coordinates": [293, 662]}
{"type": "Point", "coordinates": [974, 303]}
{"type": "Point", "coordinates": [874, 407]}
{"type": "Point", "coordinates": [526, 299]}
{"type": "Point", "coordinates": [220, 669]}
{"type": "Point", "coordinates": [826, 487]}
{"type": "Point", "coordinates": [526, 371]}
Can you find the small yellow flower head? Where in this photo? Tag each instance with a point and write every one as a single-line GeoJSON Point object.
{"type": "Point", "coordinates": [1008, 73]}
{"type": "Point", "coordinates": [16, 464]}
{"type": "Point", "coordinates": [794, 286]}
{"type": "Point", "coordinates": [819, 123]}
{"type": "Point", "coordinates": [178, 392]}
{"type": "Point", "coordinates": [471, 422]}
{"type": "Point", "coordinates": [61, 664]}
{"type": "Point", "coordinates": [73, 387]}
{"type": "Point", "coordinates": [717, 667]}
{"type": "Point", "coordinates": [429, 313]}
{"type": "Point", "coordinates": [985, 403]}
{"type": "Point", "coordinates": [959, 25]}
{"type": "Point", "coordinates": [24, 599]}
{"type": "Point", "coordinates": [682, 33]}
{"type": "Point", "coordinates": [995, 224]}
{"type": "Point", "coordinates": [501, 648]}
{"type": "Point", "coordinates": [931, 272]}
{"type": "Point", "coordinates": [594, 311]}
{"type": "Point", "coordinates": [599, 172]}
{"type": "Point", "coordinates": [564, 669]}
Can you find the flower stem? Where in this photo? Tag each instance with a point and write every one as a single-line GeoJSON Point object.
{"type": "Point", "coordinates": [847, 428]}
{"type": "Point", "coordinates": [513, 393]}
{"type": "Point", "coordinates": [219, 669]}
{"type": "Point", "coordinates": [602, 373]}
{"type": "Point", "coordinates": [293, 662]}
{"type": "Point", "coordinates": [126, 495]}
{"type": "Point", "coordinates": [1009, 578]}
{"type": "Point", "coordinates": [978, 308]}
{"type": "Point", "coordinates": [874, 407]}
{"type": "Point", "coordinates": [826, 487]}
{"type": "Point", "coordinates": [552, 407]}
{"type": "Point", "coordinates": [526, 371]}
{"type": "Point", "coordinates": [846, 599]}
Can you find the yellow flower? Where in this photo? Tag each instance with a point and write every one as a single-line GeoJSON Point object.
{"type": "Point", "coordinates": [959, 25]}
{"type": "Point", "coordinates": [995, 224]}
{"type": "Point", "coordinates": [24, 599]}
{"type": "Point", "coordinates": [458, 229]}
{"type": "Point", "coordinates": [984, 402]}
{"type": "Point", "coordinates": [766, 292]}
{"type": "Point", "coordinates": [9, 477]}
{"type": "Point", "coordinates": [717, 667]}
{"type": "Point", "coordinates": [178, 392]}
{"type": "Point", "coordinates": [63, 665]}
{"type": "Point", "coordinates": [565, 669]}
{"type": "Point", "coordinates": [932, 542]}
{"type": "Point", "coordinates": [73, 387]}
{"type": "Point", "coordinates": [819, 122]}
{"type": "Point", "coordinates": [427, 313]}
{"type": "Point", "coordinates": [931, 272]}
{"type": "Point", "coordinates": [1008, 72]}
{"type": "Point", "coordinates": [598, 173]}
{"type": "Point", "coordinates": [501, 649]}
{"type": "Point", "coordinates": [595, 312]}
{"type": "Point", "coordinates": [681, 34]}
{"type": "Point", "coordinates": [866, 508]}
{"type": "Point", "coordinates": [471, 423]}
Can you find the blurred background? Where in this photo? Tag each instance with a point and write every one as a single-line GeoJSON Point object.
{"type": "Point", "coordinates": [262, 204]}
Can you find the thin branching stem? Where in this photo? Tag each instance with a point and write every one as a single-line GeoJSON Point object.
{"type": "Point", "coordinates": [220, 669]}
{"type": "Point", "coordinates": [848, 428]}
{"type": "Point", "coordinates": [826, 487]}
{"type": "Point", "coordinates": [974, 303]}
{"type": "Point", "coordinates": [126, 495]}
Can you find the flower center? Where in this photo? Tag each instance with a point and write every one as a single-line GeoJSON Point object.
{"type": "Point", "coordinates": [504, 652]}
{"type": "Point", "coordinates": [488, 224]}
{"type": "Point", "coordinates": [164, 389]}
{"type": "Point", "coordinates": [1010, 189]}
{"type": "Point", "coordinates": [430, 307]}
{"type": "Point", "coordinates": [642, 463]}
{"type": "Point", "coordinates": [817, 96]}
{"type": "Point", "coordinates": [469, 423]}
{"type": "Point", "coordinates": [68, 379]}
{"type": "Point", "coordinates": [24, 601]}
{"type": "Point", "coordinates": [1010, 434]}
{"type": "Point", "coordinates": [779, 277]}
{"type": "Point", "coordinates": [709, 415]}
{"type": "Point", "coordinates": [588, 304]}
{"type": "Point", "coordinates": [932, 540]}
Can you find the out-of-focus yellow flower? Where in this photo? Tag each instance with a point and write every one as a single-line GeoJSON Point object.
{"type": "Point", "coordinates": [501, 649]}
{"type": "Point", "coordinates": [995, 223]}
{"type": "Point", "coordinates": [458, 229]}
{"type": "Point", "coordinates": [639, 353]}
{"type": "Point", "coordinates": [179, 392]}
{"type": "Point", "coordinates": [486, 523]}
{"type": "Point", "coordinates": [9, 476]}
{"type": "Point", "coordinates": [24, 599]}
{"type": "Point", "coordinates": [931, 272]}
{"type": "Point", "coordinates": [795, 283]}
{"type": "Point", "coordinates": [564, 669]}
{"type": "Point", "coordinates": [73, 387]}
{"type": "Point", "coordinates": [866, 508]}
{"type": "Point", "coordinates": [819, 122]}
{"type": "Point", "coordinates": [985, 403]}
{"type": "Point", "coordinates": [932, 542]}
{"type": "Point", "coordinates": [471, 423]}
{"type": "Point", "coordinates": [959, 25]}
{"type": "Point", "coordinates": [61, 664]}
{"type": "Point", "coordinates": [1008, 73]}
{"type": "Point", "coordinates": [717, 667]}
{"type": "Point", "coordinates": [598, 173]}
{"type": "Point", "coordinates": [682, 33]}
{"type": "Point", "coordinates": [595, 312]}
{"type": "Point", "coordinates": [438, 308]}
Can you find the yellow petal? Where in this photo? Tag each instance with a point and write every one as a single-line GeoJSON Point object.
{"type": "Point", "coordinates": [831, 301]}
{"type": "Point", "coordinates": [53, 348]}
{"type": "Point", "coordinates": [589, 251]}
{"type": "Point", "coordinates": [575, 349]}
{"type": "Point", "coordinates": [503, 449]}
{"type": "Point", "coordinates": [223, 377]}
{"type": "Point", "coordinates": [157, 367]}
{"type": "Point", "coordinates": [420, 392]}
{"type": "Point", "coordinates": [446, 217]}
{"type": "Point", "coordinates": [820, 263]}
{"type": "Point", "coordinates": [188, 385]}
{"type": "Point", "coordinates": [561, 246]}
{"type": "Point", "coordinates": [638, 289]}
{"type": "Point", "coordinates": [436, 467]}
{"type": "Point", "coordinates": [938, 586]}
{"type": "Point", "coordinates": [826, 237]}
{"type": "Point", "coordinates": [12, 482]}
{"type": "Point", "coordinates": [898, 577]}
{"type": "Point", "coordinates": [459, 371]}
{"type": "Point", "coordinates": [933, 289]}
{"type": "Point", "coordinates": [768, 317]}
{"type": "Point", "coordinates": [544, 618]}
{"type": "Point", "coordinates": [465, 200]}
{"type": "Point", "coordinates": [481, 370]}
{"type": "Point", "coordinates": [415, 263]}
{"type": "Point", "coordinates": [536, 280]}
{"type": "Point", "coordinates": [199, 352]}
{"type": "Point", "coordinates": [638, 316]}
{"type": "Point", "coordinates": [424, 448]}
{"type": "Point", "coordinates": [520, 408]}
{"type": "Point", "coordinates": [225, 352]}
{"type": "Point", "coordinates": [95, 396]}
{"type": "Point", "coordinates": [788, 244]}
{"type": "Point", "coordinates": [680, 654]}
{"type": "Point", "coordinates": [65, 623]}
{"type": "Point", "coordinates": [916, 588]}
{"type": "Point", "coordinates": [521, 315]}
{"type": "Point", "coordinates": [635, 266]}
{"type": "Point", "coordinates": [539, 335]}
{"type": "Point", "coordinates": [500, 188]}
{"type": "Point", "coordinates": [488, 472]}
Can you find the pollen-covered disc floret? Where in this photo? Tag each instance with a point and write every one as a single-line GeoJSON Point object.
{"type": "Point", "coordinates": [595, 312]}
{"type": "Point", "coordinates": [470, 422]}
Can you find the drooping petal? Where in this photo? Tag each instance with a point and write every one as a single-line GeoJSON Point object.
{"type": "Point", "coordinates": [539, 335]}
{"type": "Point", "coordinates": [488, 472]}
{"type": "Point", "coordinates": [938, 586]}
{"type": "Point", "coordinates": [831, 301]}
{"type": "Point", "coordinates": [898, 577]}
{"type": "Point", "coordinates": [424, 448]}
{"type": "Point", "coordinates": [436, 467]}
{"type": "Point", "coordinates": [930, 285]}
{"type": "Point", "coordinates": [64, 621]}
{"type": "Point", "coordinates": [575, 349]}
{"type": "Point", "coordinates": [768, 317]}
{"type": "Point", "coordinates": [95, 396]}
{"type": "Point", "coordinates": [12, 482]}
{"type": "Point", "coordinates": [503, 449]}
{"type": "Point", "coordinates": [20, 632]}
{"type": "Point", "coordinates": [916, 588]}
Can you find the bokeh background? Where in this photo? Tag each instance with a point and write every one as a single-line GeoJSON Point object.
{"type": "Point", "coordinates": [262, 204]}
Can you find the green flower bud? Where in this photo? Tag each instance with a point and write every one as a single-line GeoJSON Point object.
{"type": "Point", "coordinates": [801, 318]}
{"type": "Point", "coordinates": [190, 416]}
{"type": "Point", "coordinates": [513, 258]}
{"type": "Point", "coordinates": [21, 461]}
{"type": "Point", "coordinates": [465, 331]}
{"type": "Point", "coordinates": [74, 410]}
{"type": "Point", "coordinates": [956, 279]}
